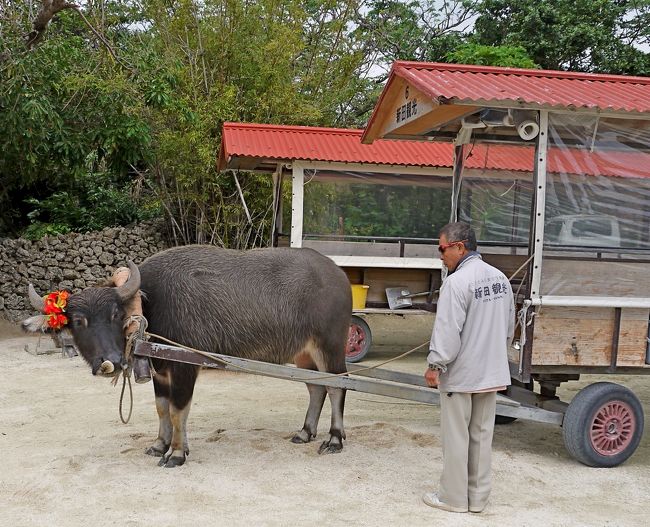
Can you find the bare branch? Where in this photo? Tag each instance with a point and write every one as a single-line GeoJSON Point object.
{"type": "Point", "coordinates": [100, 37]}
{"type": "Point", "coordinates": [49, 8]}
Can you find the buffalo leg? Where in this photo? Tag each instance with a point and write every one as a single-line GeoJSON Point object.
{"type": "Point", "coordinates": [162, 442]}
{"type": "Point", "coordinates": [183, 379]}
{"type": "Point", "coordinates": [335, 364]}
{"type": "Point", "coordinates": [334, 443]}
{"type": "Point", "coordinates": [316, 400]}
{"type": "Point", "coordinates": [164, 439]}
{"type": "Point", "coordinates": [179, 447]}
{"type": "Point", "coordinates": [317, 394]}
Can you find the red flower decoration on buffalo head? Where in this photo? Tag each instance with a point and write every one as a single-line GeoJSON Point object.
{"type": "Point", "coordinates": [55, 308]}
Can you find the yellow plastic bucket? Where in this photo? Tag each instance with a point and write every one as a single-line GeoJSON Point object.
{"type": "Point", "coordinates": [359, 294]}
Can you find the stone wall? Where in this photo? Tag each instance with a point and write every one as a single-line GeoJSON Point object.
{"type": "Point", "coordinates": [72, 261]}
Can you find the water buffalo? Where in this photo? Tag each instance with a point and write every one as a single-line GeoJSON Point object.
{"type": "Point", "coordinates": [277, 305]}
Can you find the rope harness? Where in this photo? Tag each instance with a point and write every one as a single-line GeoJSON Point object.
{"type": "Point", "coordinates": [127, 367]}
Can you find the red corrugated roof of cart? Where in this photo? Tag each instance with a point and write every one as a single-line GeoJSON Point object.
{"type": "Point", "coordinates": [516, 87]}
{"type": "Point", "coordinates": [323, 144]}
{"type": "Point", "coordinates": [287, 143]}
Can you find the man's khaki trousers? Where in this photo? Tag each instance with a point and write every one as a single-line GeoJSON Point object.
{"type": "Point", "coordinates": [467, 423]}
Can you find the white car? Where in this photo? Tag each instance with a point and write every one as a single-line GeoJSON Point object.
{"type": "Point", "coordinates": [583, 230]}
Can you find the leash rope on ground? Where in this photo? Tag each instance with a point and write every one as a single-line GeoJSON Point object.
{"type": "Point", "coordinates": [224, 362]}
{"type": "Point", "coordinates": [125, 372]}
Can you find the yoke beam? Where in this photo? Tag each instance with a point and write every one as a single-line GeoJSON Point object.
{"type": "Point", "coordinates": [377, 381]}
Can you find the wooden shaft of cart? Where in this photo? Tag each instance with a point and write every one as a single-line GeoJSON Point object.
{"type": "Point", "coordinates": [375, 381]}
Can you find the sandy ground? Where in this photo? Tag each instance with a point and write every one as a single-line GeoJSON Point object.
{"type": "Point", "coordinates": [68, 461]}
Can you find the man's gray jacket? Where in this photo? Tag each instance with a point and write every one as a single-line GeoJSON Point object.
{"type": "Point", "coordinates": [474, 326]}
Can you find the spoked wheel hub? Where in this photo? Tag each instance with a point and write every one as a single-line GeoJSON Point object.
{"type": "Point", "coordinates": [603, 424]}
{"type": "Point", "coordinates": [612, 428]}
{"type": "Point", "coordinates": [359, 340]}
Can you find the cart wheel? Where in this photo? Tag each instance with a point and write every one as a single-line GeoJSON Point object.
{"type": "Point", "coordinates": [603, 425]}
{"type": "Point", "coordinates": [359, 340]}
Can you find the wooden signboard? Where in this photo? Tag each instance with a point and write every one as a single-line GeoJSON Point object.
{"type": "Point", "coordinates": [406, 112]}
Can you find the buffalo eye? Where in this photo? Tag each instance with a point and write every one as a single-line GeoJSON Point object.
{"type": "Point", "coordinates": [79, 321]}
{"type": "Point", "coordinates": [115, 314]}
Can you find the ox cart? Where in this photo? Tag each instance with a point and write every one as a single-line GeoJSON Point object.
{"type": "Point", "coordinates": [552, 171]}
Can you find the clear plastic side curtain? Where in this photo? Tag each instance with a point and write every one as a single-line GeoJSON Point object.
{"type": "Point", "coordinates": [368, 213]}
{"type": "Point", "coordinates": [597, 215]}
{"type": "Point", "coordinates": [497, 194]}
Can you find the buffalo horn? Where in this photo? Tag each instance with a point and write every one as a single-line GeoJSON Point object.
{"type": "Point", "coordinates": [37, 301]}
{"type": "Point", "coordinates": [131, 286]}
{"type": "Point", "coordinates": [107, 367]}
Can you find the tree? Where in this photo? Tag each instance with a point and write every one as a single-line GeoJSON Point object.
{"type": "Point", "coordinates": [146, 110]}
{"type": "Point", "coordinates": [579, 35]}
{"type": "Point", "coordinates": [271, 62]}
{"type": "Point", "coordinates": [67, 115]}
{"type": "Point", "coordinates": [506, 56]}
{"type": "Point", "coordinates": [422, 30]}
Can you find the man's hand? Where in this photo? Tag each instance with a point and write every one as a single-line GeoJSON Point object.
{"type": "Point", "coordinates": [431, 376]}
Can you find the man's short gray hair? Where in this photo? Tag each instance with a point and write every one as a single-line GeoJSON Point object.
{"type": "Point", "coordinates": [459, 230]}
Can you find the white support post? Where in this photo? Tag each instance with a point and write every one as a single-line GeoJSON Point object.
{"type": "Point", "coordinates": [297, 203]}
{"type": "Point", "coordinates": [276, 224]}
{"type": "Point", "coordinates": [457, 179]}
{"type": "Point", "coordinates": [540, 204]}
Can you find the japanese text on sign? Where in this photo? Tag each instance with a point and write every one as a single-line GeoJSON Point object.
{"type": "Point", "coordinates": [406, 111]}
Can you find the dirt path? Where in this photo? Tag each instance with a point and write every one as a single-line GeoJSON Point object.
{"type": "Point", "coordinates": [68, 460]}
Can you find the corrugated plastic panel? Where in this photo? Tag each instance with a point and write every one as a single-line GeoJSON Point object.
{"type": "Point", "coordinates": [306, 143]}
{"type": "Point", "coordinates": [543, 88]}
{"type": "Point", "coordinates": [327, 144]}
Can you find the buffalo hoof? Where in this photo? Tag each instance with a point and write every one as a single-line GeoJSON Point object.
{"type": "Point", "coordinates": [302, 437]}
{"type": "Point", "coordinates": [174, 461]}
{"type": "Point", "coordinates": [173, 458]}
{"type": "Point", "coordinates": [154, 451]}
{"type": "Point", "coordinates": [330, 447]}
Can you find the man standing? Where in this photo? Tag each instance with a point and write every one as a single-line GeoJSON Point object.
{"type": "Point", "coordinates": [468, 360]}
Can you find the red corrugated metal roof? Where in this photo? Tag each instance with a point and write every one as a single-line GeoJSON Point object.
{"type": "Point", "coordinates": [323, 144]}
{"type": "Point", "coordinates": [515, 88]}
{"type": "Point", "coordinates": [543, 88]}
{"type": "Point", "coordinates": [288, 143]}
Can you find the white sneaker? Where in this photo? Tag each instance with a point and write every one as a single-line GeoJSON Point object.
{"type": "Point", "coordinates": [432, 500]}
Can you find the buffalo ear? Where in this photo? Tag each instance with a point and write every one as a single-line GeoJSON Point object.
{"type": "Point", "coordinates": [35, 323]}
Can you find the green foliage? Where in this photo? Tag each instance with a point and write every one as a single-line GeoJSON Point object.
{"type": "Point", "coordinates": [62, 105]}
{"type": "Point", "coordinates": [506, 56]}
{"type": "Point", "coordinates": [283, 62]}
{"type": "Point", "coordinates": [94, 202]}
{"type": "Point", "coordinates": [88, 141]}
{"type": "Point", "coordinates": [424, 30]}
{"type": "Point", "coordinates": [580, 35]}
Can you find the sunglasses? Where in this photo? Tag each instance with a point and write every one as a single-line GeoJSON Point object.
{"type": "Point", "coordinates": [442, 248]}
